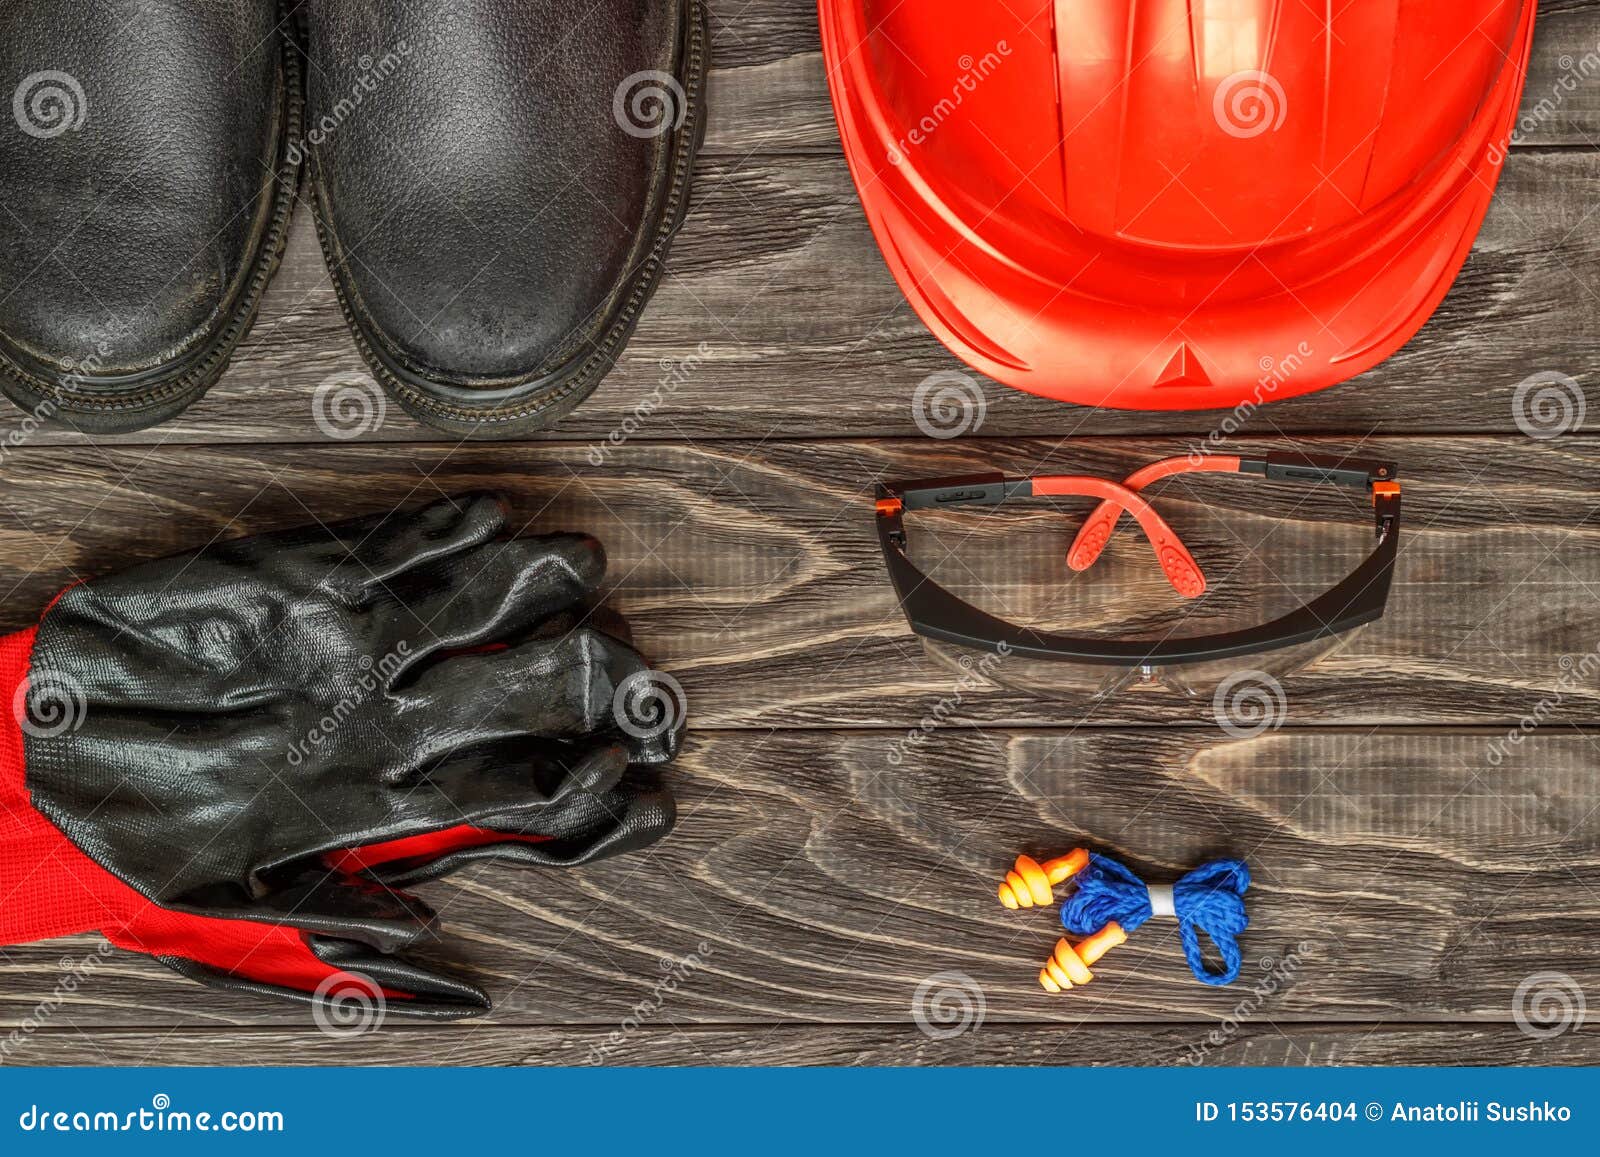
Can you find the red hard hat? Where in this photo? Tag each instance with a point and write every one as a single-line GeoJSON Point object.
{"type": "Point", "coordinates": [1175, 204]}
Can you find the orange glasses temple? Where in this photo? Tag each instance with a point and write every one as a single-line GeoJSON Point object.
{"type": "Point", "coordinates": [1176, 562]}
{"type": "Point", "coordinates": [1097, 528]}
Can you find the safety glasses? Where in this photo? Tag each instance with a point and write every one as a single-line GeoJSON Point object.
{"type": "Point", "coordinates": [938, 614]}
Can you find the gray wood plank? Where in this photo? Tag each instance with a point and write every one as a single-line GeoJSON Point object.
{"type": "Point", "coordinates": [779, 319]}
{"type": "Point", "coordinates": [486, 1045]}
{"type": "Point", "coordinates": [752, 572]}
{"type": "Point", "coordinates": [1415, 875]}
{"type": "Point", "coordinates": [1397, 878]}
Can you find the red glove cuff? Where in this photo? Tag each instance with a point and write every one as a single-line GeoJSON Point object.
{"type": "Point", "coordinates": [48, 888]}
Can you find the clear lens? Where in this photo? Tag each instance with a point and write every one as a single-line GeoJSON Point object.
{"type": "Point", "coordinates": [1203, 679]}
{"type": "Point", "coordinates": [1265, 550]}
{"type": "Point", "coordinates": [1054, 678]}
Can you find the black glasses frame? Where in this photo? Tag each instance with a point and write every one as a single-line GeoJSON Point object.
{"type": "Point", "coordinates": [935, 613]}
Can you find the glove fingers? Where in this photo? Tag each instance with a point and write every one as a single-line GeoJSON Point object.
{"type": "Point", "coordinates": [614, 825]}
{"type": "Point", "coordinates": [584, 684]}
{"type": "Point", "coordinates": [494, 593]}
{"type": "Point", "coordinates": [351, 987]}
{"type": "Point", "coordinates": [408, 987]}
{"type": "Point", "coordinates": [603, 618]}
{"type": "Point", "coordinates": [481, 789]}
{"type": "Point", "coordinates": [530, 806]}
{"type": "Point", "coordinates": [633, 813]}
{"type": "Point", "coordinates": [591, 614]}
{"type": "Point", "coordinates": [465, 799]}
{"type": "Point", "coordinates": [526, 775]}
{"type": "Point", "coordinates": [325, 903]}
{"type": "Point", "coordinates": [374, 551]}
{"type": "Point", "coordinates": [276, 960]}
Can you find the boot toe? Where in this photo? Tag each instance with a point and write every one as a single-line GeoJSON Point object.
{"type": "Point", "coordinates": [146, 201]}
{"type": "Point", "coordinates": [464, 313]}
{"type": "Point", "coordinates": [497, 204]}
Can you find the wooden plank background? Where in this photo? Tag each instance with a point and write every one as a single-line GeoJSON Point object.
{"type": "Point", "coordinates": [1414, 866]}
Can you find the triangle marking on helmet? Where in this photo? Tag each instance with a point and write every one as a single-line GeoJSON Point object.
{"type": "Point", "coordinates": [1184, 370]}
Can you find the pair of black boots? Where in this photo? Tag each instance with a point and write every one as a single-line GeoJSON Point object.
{"type": "Point", "coordinates": [495, 186]}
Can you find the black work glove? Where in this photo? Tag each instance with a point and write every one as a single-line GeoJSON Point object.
{"type": "Point", "coordinates": [282, 728]}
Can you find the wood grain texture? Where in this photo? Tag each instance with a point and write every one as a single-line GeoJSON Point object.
{"type": "Point", "coordinates": [779, 319]}
{"type": "Point", "coordinates": [1289, 1045]}
{"type": "Point", "coordinates": [752, 572]}
{"type": "Point", "coordinates": [1425, 831]}
{"type": "Point", "coordinates": [1397, 878]}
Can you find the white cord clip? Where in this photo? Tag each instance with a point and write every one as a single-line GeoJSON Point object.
{"type": "Point", "coordinates": [1161, 902]}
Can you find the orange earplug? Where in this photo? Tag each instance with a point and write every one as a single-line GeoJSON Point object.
{"type": "Point", "coordinates": [1029, 882]}
{"type": "Point", "coordinates": [1069, 965]}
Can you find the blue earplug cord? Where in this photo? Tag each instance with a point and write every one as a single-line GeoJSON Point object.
{"type": "Point", "coordinates": [1209, 899]}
